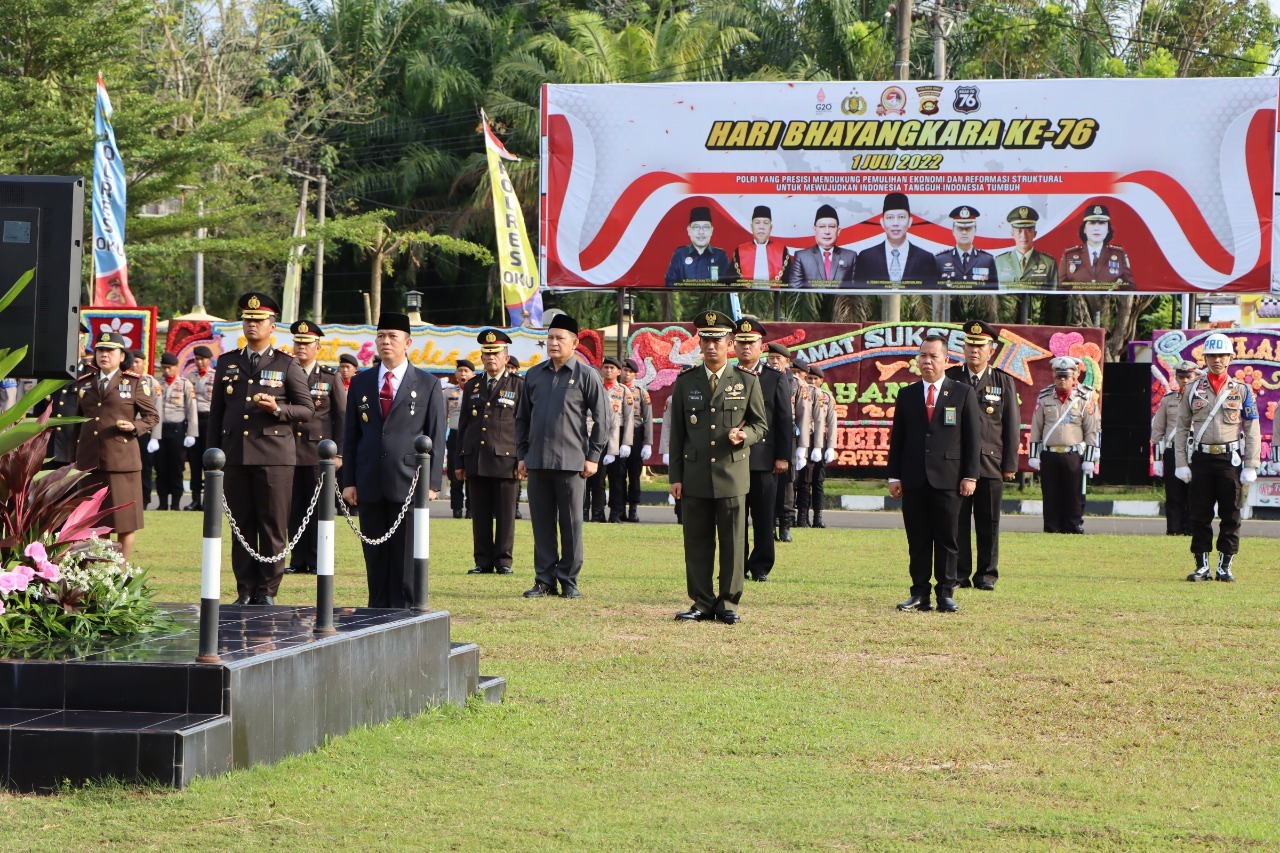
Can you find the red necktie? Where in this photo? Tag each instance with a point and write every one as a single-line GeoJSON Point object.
{"type": "Point", "coordinates": [386, 395]}
{"type": "Point", "coordinates": [826, 262]}
{"type": "Point", "coordinates": [930, 399]}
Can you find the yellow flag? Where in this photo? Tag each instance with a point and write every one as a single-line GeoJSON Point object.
{"type": "Point", "coordinates": [516, 263]}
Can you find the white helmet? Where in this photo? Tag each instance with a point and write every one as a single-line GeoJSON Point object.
{"type": "Point", "coordinates": [1218, 344]}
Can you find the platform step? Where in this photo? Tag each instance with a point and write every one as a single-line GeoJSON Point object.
{"type": "Point", "coordinates": [492, 688]}
{"type": "Point", "coordinates": [45, 747]}
{"type": "Point", "coordinates": [464, 671]}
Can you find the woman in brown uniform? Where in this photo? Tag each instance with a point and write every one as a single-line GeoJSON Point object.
{"type": "Point", "coordinates": [120, 407]}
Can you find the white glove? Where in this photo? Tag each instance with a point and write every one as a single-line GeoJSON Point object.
{"type": "Point", "coordinates": [1183, 474]}
{"type": "Point", "coordinates": [666, 459]}
{"type": "Point", "coordinates": [802, 456]}
{"type": "Point", "coordinates": [1088, 468]}
{"type": "Point", "coordinates": [1034, 462]}
{"type": "Point", "coordinates": [646, 452]}
{"type": "Point", "coordinates": [625, 451]}
{"type": "Point", "coordinates": [608, 458]}
{"type": "Point", "coordinates": [153, 446]}
{"type": "Point", "coordinates": [1248, 475]}
{"type": "Point", "coordinates": [1158, 467]}
{"type": "Point", "coordinates": [816, 455]}
{"type": "Point", "coordinates": [189, 441]}
{"type": "Point", "coordinates": [828, 456]}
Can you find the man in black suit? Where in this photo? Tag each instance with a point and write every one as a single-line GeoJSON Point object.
{"type": "Point", "coordinates": [260, 393]}
{"type": "Point", "coordinates": [487, 456]}
{"type": "Point", "coordinates": [934, 446]}
{"type": "Point", "coordinates": [1001, 426]}
{"type": "Point", "coordinates": [824, 264]}
{"type": "Point", "coordinates": [897, 260]}
{"type": "Point", "coordinates": [387, 408]}
{"type": "Point", "coordinates": [771, 456]}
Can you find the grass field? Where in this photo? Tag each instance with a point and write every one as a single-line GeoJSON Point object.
{"type": "Point", "coordinates": [1095, 700]}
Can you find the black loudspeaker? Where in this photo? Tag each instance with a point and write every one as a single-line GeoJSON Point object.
{"type": "Point", "coordinates": [1126, 424]}
{"type": "Point", "coordinates": [42, 229]}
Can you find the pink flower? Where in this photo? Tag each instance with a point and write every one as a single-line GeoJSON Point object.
{"type": "Point", "coordinates": [44, 568]}
{"type": "Point", "coordinates": [24, 574]}
{"type": "Point", "coordinates": [36, 551]}
{"type": "Point", "coordinates": [49, 572]}
{"type": "Point", "coordinates": [10, 581]}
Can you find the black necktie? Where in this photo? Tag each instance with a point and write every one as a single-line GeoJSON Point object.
{"type": "Point", "coordinates": [489, 389]}
{"type": "Point", "coordinates": [253, 362]}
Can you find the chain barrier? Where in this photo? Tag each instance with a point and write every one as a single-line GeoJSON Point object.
{"type": "Point", "coordinates": [408, 502]}
{"type": "Point", "coordinates": [235, 528]}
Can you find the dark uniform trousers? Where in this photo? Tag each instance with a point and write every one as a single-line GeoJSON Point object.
{"type": "Point", "coordinates": [1177, 496]}
{"type": "Point", "coordinates": [305, 478]}
{"type": "Point", "coordinates": [593, 496]}
{"type": "Point", "coordinates": [1214, 481]}
{"type": "Point", "coordinates": [1062, 481]}
{"type": "Point", "coordinates": [148, 466]}
{"type": "Point", "coordinates": [459, 491]}
{"type": "Point", "coordinates": [555, 499]}
{"type": "Point", "coordinates": [811, 488]}
{"type": "Point", "coordinates": [983, 509]}
{"type": "Point", "coordinates": [493, 519]}
{"type": "Point", "coordinates": [258, 498]}
{"type": "Point", "coordinates": [633, 468]}
{"type": "Point", "coordinates": [785, 500]}
{"type": "Point", "coordinates": [616, 471]}
{"type": "Point", "coordinates": [761, 507]}
{"type": "Point", "coordinates": [195, 458]}
{"type": "Point", "coordinates": [930, 543]}
{"type": "Point", "coordinates": [169, 461]}
{"type": "Point", "coordinates": [728, 517]}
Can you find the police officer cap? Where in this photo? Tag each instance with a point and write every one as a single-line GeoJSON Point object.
{"type": "Point", "coordinates": [896, 201]}
{"type": "Point", "coordinates": [306, 332]}
{"type": "Point", "coordinates": [713, 324]}
{"type": "Point", "coordinates": [464, 362]}
{"type": "Point", "coordinates": [978, 333]}
{"type": "Point", "coordinates": [1187, 368]}
{"type": "Point", "coordinates": [1218, 344]}
{"type": "Point", "coordinates": [762, 212]}
{"type": "Point", "coordinates": [814, 370]}
{"type": "Point", "coordinates": [608, 359]}
{"type": "Point", "coordinates": [826, 211]}
{"type": "Point", "coordinates": [964, 215]}
{"type": "Point", "coordinates": [1064, 365]}
{"type": "Point", "coordinates": [700, 214]}
{"type": "Point", "coordinates": [779, 349]}
{"type": "Point", "coordinates": [1097, 213]}
{"type": "Point", "coordinates": [169, 358]}
{"type": "Point", "coordinates": [513, 363]}
{"type": "Point", "coordinates": [1023, 217]}
{"type": "Point", "coordinates": [349, 358]}
{"type": "Point", "coordinates": [493, 340]}
{"type": "Point", "coordinates": [800, 364]}
{"type": "Point", "coordinates": [749, 329]}
{"type": "Point", "coordinates": [390, 321]}
{"type": "Point", "coordinates": [256, 305]}
{"type": "Point", "coordinates": [109, 340]}
{"type": "Point", "coordinates": [202, 351]}
{"type": "Point", "coordinates": [632, 365]}
{"type": "Point", "coordinates": [564, 321]}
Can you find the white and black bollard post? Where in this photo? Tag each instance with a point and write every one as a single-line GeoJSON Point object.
{"type": "Point", "coordinates": [211, 555]}
{"type": "Point", "coordinates": [324, 538]}
{"type": "Point", "coordinates": [421, 523]}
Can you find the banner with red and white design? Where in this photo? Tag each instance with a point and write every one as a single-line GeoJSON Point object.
{"type": "Point", "coordinates": [957, 186]}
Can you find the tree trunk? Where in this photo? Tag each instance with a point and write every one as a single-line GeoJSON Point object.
{"type": "Point", "coordinates": [375, 283]}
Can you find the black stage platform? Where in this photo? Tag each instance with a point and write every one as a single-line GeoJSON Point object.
{"type": "Point", "coordinates": [143, 710]}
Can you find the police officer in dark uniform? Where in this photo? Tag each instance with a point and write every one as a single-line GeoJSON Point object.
{"type": "Point", "coordinates": [487, 455]}
{"type": "Point", "coordinates": [459, 498]}
{"type": "Point", "coordinates": [966, 262]}
{"type": "Point", "coordinates": [329, 396]}
{"type": "Point", "coordinates": [260, 396]}
{"type": "Point", "coordinates": [1001, 423]}
{"type": "Point", "coordinates": [201, 378]}
{"type": "Point", "coordinates": [64, 404]}
{"type": "Point", "coordinates": [699, 261]}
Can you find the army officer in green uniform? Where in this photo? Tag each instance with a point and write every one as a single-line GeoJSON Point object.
{"type": "Point", "coordinates": [714, 416]}
{"type": "Point", "coordinates": [1024, 265]}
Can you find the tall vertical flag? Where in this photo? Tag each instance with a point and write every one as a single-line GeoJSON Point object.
{"type": "Point", "coordinates": [111, 271]}
{"type": "Point", "coordinates": [516, 263]}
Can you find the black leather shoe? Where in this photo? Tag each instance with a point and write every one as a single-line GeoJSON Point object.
{"type": "Point", "coordinates": [196, 506]}
{"type": "Point", "coordinates": [729, 617]}
{"type": "Point", "coordinates": [539, 590]}
{"type": "Point", "coordinates": [480, 570]}
{"type": "Point", "coordinates": [948, 605]}
{"type": "Point", "coordinates": [244, 600]}
{"type": "Point", "coordinates": [784, 535]}
{"type": "Point", "coordinates": [502, 570]}
{"type": "Point", "coordinates": [262, 600]}
{"type": "Point", "coordinates": [457, 513]}
{"type": "Point", "coordinates": [818, 522]}
{"type": "Point", "coordinates": [519, 514]}
{"type": "Point", "coordinates": [963, 583]}
{"type": "Point", "coordinates": [570, 592]}
{"type": "Point", "coordinates": [803, 521]}
{"type": "Point", "coordinates": [597, 517]}
{"type": "Point", "coordinates": [290, 570]}
{"type": "Point", "coordinates": [916, 602]}
{"type": "Point", "coordinates": [693, 614]}
{"type": "Point", "coordinates": [615, 519]}
{"type": "Point", "coordinates": [632, 515]}
{"type": "Point", "coordinates": [984, 585]}
{"type": "Point", "coordinates": [759, 578]}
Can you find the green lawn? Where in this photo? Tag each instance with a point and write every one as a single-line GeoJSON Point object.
{"type": "Point", "coordinates": [1095, 700]}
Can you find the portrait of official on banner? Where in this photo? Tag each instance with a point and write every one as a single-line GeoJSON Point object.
{"type": "Point", "coordinates": [957, 186]}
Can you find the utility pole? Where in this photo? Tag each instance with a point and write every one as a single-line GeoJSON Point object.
{"type": "Point", "coordinates": [891, 304]}
{"type": "Point", "coordinates": [200, 235]}
{"type": "Point", "coordinates": [317, 305]}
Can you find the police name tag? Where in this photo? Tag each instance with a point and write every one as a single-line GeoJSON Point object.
{"type": "Point", "coordinates": [949, 416]}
